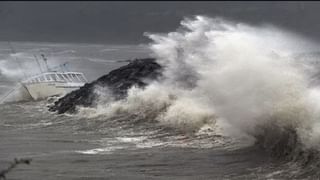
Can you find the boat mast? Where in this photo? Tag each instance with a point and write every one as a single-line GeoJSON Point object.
{"type": "Point", "coordinates": [38, 63]}
{"type": "Point", "coordinates": [45, 61]}
{"type": "Point", "coordinates": [64, 66]}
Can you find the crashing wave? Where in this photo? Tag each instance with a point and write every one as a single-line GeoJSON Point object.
{"type": "Point", "coordinates": [243, 79]}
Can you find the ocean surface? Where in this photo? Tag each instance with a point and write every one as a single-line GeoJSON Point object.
{"type": "Point", "coordinates": [66, 147]}
{"type": "Point", "coordinates": [235, 102]}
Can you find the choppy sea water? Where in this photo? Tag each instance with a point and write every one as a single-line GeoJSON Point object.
{"type": "Point", "coordinates": [70, 147]}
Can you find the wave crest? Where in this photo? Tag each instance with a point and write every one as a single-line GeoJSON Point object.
{"type": "Point", "coordinates": [241, 78]}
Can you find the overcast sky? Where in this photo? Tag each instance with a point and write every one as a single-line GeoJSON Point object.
{"type": "Point", "coordinates": [125, 22]}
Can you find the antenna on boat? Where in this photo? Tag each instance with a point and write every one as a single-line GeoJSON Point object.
{"type": "Point", "coordinates": [38, 63]}
{"type": "Point", "coordinates": [45, 61]}
{"type": "Point", "coordinates": [64, 65]}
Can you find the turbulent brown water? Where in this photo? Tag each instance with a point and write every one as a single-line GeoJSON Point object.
{"type": "Point", "coordinates": [235, 102]}
{"type": "Point", "coordinates": [64, 147]}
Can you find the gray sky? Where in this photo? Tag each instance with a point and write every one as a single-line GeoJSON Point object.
{"type": "Point", "coordinates": [125, 22]}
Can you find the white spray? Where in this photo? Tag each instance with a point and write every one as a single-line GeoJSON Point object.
{"type": "Point", "coordinates": [219, 72]}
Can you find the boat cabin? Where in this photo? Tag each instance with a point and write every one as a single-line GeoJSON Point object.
{"type": "Point", "coordinates": [63, 77]}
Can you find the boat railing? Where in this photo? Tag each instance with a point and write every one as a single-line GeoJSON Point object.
{"type": "Point", "coordinates": [65, 77]}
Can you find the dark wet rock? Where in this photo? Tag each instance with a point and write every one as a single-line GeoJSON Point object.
{"type": "Point", "coordinates": [137, 73]}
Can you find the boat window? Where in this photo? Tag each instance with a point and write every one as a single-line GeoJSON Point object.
{"type": "Point", "coordinates": [48, 77]}
{"type": "Point", "coordinates": [75, 78]}
{"type": "Point", "coordinates": [61, 77]}
{"type": "Point", "coordinates": [81, 78]}
{"type": "Point", "coordinates": [70, 78]}
{"type": "Point", "coordinates": [66, 77]}
{"type": "Point", "coordinates": [53, 77]}
{"type": "Point", "coordinates": [42, 79]}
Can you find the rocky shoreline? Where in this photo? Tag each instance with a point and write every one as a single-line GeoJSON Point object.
{"type": "Point", "coordinates": [137, 73]}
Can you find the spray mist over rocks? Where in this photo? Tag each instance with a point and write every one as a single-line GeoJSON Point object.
{"type": "Point", "coordinates": [232, 76]}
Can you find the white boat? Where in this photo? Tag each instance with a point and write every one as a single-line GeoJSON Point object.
{"type": "Point", "coordinates": [50, 84]}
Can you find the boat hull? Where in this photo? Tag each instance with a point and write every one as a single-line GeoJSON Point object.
{"type": "Point", "coordinates": [44, 90]}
